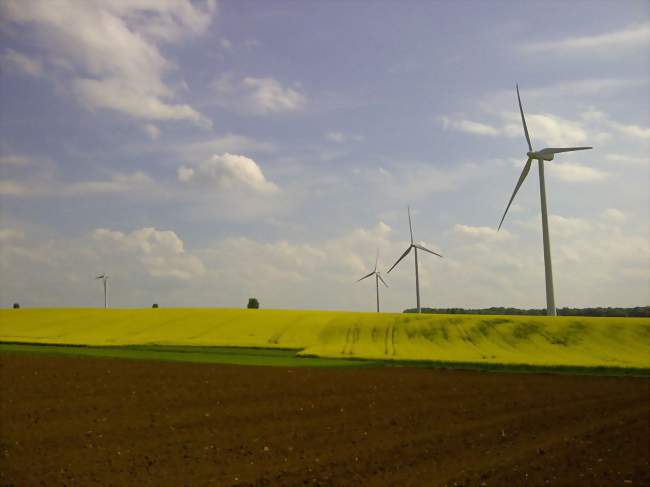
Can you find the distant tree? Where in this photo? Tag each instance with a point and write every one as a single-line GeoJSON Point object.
{"type": "Point", "coordinates": [154, 305]}
{"type": "Point", "coordinates": [253, 303]}
{"type": "Point", "coordinates": [16, 305]}
{"type": "Point", "coordinates": [638, 312]}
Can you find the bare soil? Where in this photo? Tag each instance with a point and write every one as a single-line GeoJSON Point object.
{"type": "Point", "coordinates": [89, 421]}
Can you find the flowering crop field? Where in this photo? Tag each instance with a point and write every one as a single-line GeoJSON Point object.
{"type": "Point", "coordinates": [469, 339]}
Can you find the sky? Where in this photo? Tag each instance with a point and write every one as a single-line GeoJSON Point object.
{"type": "Point", "coordinates": [204, 152]}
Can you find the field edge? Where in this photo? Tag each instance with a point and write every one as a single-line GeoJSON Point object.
{"type": "Point", "coordinates": [288, 357]}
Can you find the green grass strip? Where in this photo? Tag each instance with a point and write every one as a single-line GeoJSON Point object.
{"type": "Point", "coordinates": [288, 358]}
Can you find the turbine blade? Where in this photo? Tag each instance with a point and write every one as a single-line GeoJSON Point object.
{"type": "Point", "coordinates": [426, 250]}
{"type": "Point", "coordinates": [366, 277]}
{"type": "Point", "coordinates": [523, 121]}
{"type": "Point", "coordinates": [100, 276]}
{"type": "Point", "coordinates": [557, 150]}
{"type": "Point", "coordinates": [524, 173]}
{"type": "Point", "coordinates": [398, 260]}
{"type": "Point", "coordinates": [382, 280]}
{"type": "Point", "coordinates": [410, 226]}
{"type": "Point", "coordinates": [376, 260]}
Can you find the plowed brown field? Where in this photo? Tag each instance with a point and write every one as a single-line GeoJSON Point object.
{"type": "Point", "coordinates": [87, 421]}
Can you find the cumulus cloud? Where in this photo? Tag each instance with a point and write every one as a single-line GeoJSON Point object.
{"type": "Point", "coordinates": [593, 265]}
{"type": "Point", "coordinates": [152, 131]}
{"type": "Point", "coordinates": [160, 252]}
{"type": "Point", "coordinates": [111, 52]}
{"type": "Point", "coordinates": [257, 95]}
{"type": "Point", "coordinates": [228, 172]}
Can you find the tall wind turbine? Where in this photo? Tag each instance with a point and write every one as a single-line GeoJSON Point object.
{"type": "Point", "coordinates": [377, 279]}
{"type": "Point", "coordinates": [541, 156]}
{"type": "Point", "coordinates": [104, 278]}
{"type": "Point", "coordinates": [415, 247]}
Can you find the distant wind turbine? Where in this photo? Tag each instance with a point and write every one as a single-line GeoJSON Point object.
{"type": "Point", "coordinates": [541, 156]}
{"type": "Point", "coordinates": [104, 278]}
{"type": "Point", "coordinates": [377, 279]}
{"type": "Point", "coordinates": [415, 247]}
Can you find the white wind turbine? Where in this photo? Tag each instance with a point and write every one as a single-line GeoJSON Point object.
{"type": "Point", "coordinates": [104, 278]}
{"type": "Point", "coordinates": [377, 279]}
{"type": "Point", "coordinates": [415, 247]}
{"type": "Point", "coordinates": [541, 156]}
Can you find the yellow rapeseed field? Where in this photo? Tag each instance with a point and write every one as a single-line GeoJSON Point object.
{"type": "Point", "coordinates": [533, 340]}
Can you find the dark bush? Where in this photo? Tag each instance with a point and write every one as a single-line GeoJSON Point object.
{"type": "Point", "coordinates": [154, 305]}
{"type": "Point", "coordinates": [16, 305]}
{"type": "Point", "coordinates": [253, 303]}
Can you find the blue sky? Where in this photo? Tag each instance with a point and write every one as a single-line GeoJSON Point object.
{"type": "Point", "coordinates": [202, 153]}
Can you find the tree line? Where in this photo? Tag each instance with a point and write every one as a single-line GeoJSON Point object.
{"type": "Point", "coordinates": [637, 312]}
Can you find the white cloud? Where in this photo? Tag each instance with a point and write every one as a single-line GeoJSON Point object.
{"type": "Point", "coordinates": [137, 182]}
{"type": "Point", "coordinates": [257, 95]}
{"type": "Point", "coordinates": [152, 131]}
{"type": "Point", "coordinates": [627, 160]}
{"type": "Point", "coordinates": [594, 264]}
{"type": "Point", "coordinates": [632, 130]}
{"type": "Point", "coordinates": [547, 128]}
{"type": "Point", "coordinates": [118, 183]}
{"type": "Point", "coordinates": [160, 252]}
{"type": "Point", "coordinates": [469, 126]}
{"type": "Point", "coordinates": [185, 174]}
{"type": "Point", "coordinates": [111, 50]}
{"type": "Point", "coordinates": [340, 137]}
{"type": "Point", "coordinates": [632, 37]}
{"type": "Point", "coordinates": [614, 215]}
{"type": "Point", "coordinates": [563, 227]}
{"type": "Point", "coordinates": [575, 172]}
{"type": "Point", "coordinates": [9, 187]}
{"type": "Point", "coordinates": [337, 137]}
{"type": "Point", "coordinates": [481, 233]}
{"type": "Point", "coordinates": [584, 87]}
{"type": "Point", "coordinates": [229, 172]}
{"type": "Point", "coordinates": [21, 63]}
{"type": "Point", "coordinates": [9, 234]}
{"type": "Point", "coordinates": [204, 148]}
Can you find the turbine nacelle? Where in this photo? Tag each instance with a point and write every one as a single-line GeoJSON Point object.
{"type": "Point", "coordinates": [545, 156]}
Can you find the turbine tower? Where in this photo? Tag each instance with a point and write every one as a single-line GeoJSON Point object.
{"type": "Point", "coordinates": [104, 278]}
{"type": "Point", "coordinates": [415, 247]}
{"type": "Point", "coordinates": [541, 156]}
{"type": "Point", "coordinates": [377, 279]}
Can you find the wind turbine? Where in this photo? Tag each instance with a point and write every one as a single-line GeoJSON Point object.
{"type": "Point", "coordinates": [104, 278]}
{"type": "Point", "coordinates": [541, 156]}
{"type": "Point", "coordinates": [415, 247]}
{"type": "Point", "coordinates": [377, 279]}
